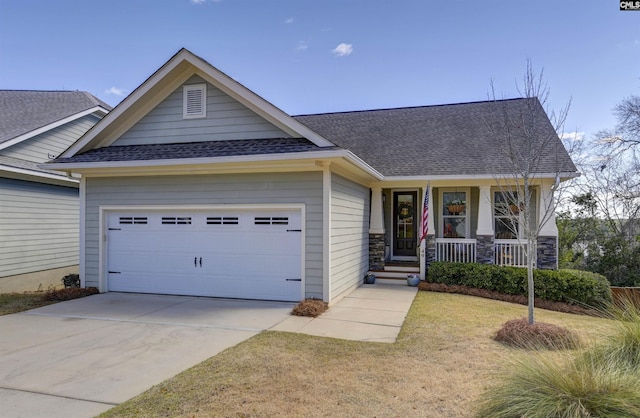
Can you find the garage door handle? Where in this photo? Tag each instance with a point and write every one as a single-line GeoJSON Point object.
{"type": "Point", "coordinates": [200, 261]}
{"type": "Point", "coordinates": [195, 262]}
{"type": "Point", "coordinates": [294, 280]}
{"type": "Point", "coordinates": [294, 230]}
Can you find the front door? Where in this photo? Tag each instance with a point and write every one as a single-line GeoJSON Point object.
{"type": "Point", "coordinates": [404, 224]}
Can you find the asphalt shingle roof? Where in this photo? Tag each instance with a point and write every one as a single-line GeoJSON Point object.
{"type": "Point", "coordinates": [436, 140]}
{"type": "Point", "coordinates": [195, 150]}
{"type": "Point", "coordinates": [23, 111]}
{"type": "Point", "coordinates": [454, 139]}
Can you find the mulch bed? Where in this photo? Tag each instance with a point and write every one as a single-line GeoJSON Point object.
{"type": "Point", "coordinates": [519, 299]}
{"type": "Point", "coordinates": [69, 293]}
{"type": "Point", "coordinates": [310, 307]}
{"type": "Point", "coordinates": [520, 333]}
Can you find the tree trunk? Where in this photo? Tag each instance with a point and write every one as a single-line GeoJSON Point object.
{"type": "Point", "coordinates": [531, 260]}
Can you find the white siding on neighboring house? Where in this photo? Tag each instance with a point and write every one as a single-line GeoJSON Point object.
{"type": "Point", "coordinates": [277, 188]}
{"type": "Point", "coordinates": [50, 144]}
{"type": "Point", "coordinates": [226, 119]}
{"type": "Point", "coordinates": [38, 227]}
{"type": "Point", "coordinates": [349, 234]}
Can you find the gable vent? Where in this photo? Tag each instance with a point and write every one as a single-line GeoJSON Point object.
{"type": "Point", "coordinates": [195, 103]}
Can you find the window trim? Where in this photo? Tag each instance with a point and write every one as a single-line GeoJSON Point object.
{"type": "Point", "coordinates": [494, 216]}
{"type": "Point", "coordinates": [186, 89]}
{"type": "Point", "coordinates": [467, 211]}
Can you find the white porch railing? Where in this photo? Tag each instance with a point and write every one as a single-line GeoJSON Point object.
{"type": "Point", "coordinates": [510, 253]}
{"type": "Point", "coordinates": [457, 250]}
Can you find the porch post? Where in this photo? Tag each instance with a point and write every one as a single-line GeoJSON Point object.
{"type": "Point", "coordinates": [485, 233]}
{"type": "Point", "coordinates": [376, 224]}
{"type": "Point", "coordinates": [547, 245]}
{"type": "Point", "coordinates": [376, 231]}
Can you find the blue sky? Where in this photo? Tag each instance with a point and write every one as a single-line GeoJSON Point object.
{"type": "Point", "coordinates": [325, 55]}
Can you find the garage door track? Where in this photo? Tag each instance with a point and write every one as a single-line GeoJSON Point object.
{"type": "Point", "coordinates": [80, 358]}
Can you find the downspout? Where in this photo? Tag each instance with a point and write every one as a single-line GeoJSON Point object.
{"type": "Point", "coordinates": [326, 231]}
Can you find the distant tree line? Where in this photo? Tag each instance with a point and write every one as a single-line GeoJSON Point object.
{"type": "Point", "coordinates": [599, 225]}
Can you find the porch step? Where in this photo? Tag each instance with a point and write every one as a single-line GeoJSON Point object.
{"type": "Point", "coordinates": [396, 271]}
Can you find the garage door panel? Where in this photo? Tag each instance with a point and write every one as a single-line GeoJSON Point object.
{"type": "Point", "coordinates": [255, 255]}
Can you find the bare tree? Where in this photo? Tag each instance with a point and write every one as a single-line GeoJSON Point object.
{"type": "Point", "coordinates": [527, 137]}
{"type": "Point", "coordinates": [611, 182]}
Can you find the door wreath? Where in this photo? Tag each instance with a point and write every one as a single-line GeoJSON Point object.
{"type": "Point", "coordinates": [405, 211]}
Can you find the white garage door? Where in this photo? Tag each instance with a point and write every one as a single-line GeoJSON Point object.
{"type": "Point", "coordinates": [234, 254]}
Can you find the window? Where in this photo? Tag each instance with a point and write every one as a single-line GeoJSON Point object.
{"type": "Point", "coordinates": [506, 215]}
{"type": "Point", "coordinates": [222, 220]}
{"type": "Point", "coordinates": [176, 220]}
{"type": "Point", "coordinates": [271, 220]}
{"type": "Point", "coordinates": [194, 101]}
{"type": "Point", "coordinates": [133, 220]}
{"type": "Point", "coordinates": [454, 214]}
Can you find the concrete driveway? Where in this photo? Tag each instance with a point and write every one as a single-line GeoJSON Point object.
{"type": "Point", "coordinates": [82, 357]}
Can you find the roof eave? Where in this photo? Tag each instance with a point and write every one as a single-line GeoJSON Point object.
{"type": "Point", "coordinates": [343, 156]}
{"type": "Point", "coordinates": [23, 137]}
{"type": "Point", "coordinates": [39, 176]}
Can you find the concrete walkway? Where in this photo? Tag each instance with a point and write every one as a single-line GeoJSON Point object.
{"type": "Point", "coordinates": [372, 313]}
{"type": "Point", "coordinates": [82, 357]}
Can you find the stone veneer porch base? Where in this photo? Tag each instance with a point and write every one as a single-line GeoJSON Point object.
{"type": "Point", "coordinates": [376, 252]}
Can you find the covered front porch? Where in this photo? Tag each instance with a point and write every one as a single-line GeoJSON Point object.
{"type": "Point", "coordinates": [467, 223]}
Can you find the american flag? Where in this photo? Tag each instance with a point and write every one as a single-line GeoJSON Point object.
{"type": "Point", "coordinates": [425, 213]}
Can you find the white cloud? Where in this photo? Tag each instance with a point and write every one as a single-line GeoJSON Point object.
{"type": "Point", "coordinates": [573, 136]}
{"type": "Point", "coordinates": [117, 91]}
{"type": "Point", "coordinates": [290, 20]}
{"type": "Point", "coordinates": [343, 49]}
{"type": "Point", "coordinates": [302, 46]}
{"type": "Point", "coordinates": [198, 1]}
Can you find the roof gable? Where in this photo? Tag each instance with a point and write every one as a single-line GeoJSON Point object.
{"type": "Point", "coordinates": [27, 113]}
{"type": "Point", "coordinates": [174, 73]}
{"type": "Point", "coordinates": [226, 119]}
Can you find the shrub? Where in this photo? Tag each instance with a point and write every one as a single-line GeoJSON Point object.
{"type": "Point", "coordinates": [569, 286]}
{"type": "Point", "coordinates": [540, 385]}
{"type": "Point", "coordinates": [520, 299]}
{"type": "Point", "coordinates": [71, 280]}
{"type": "Point", "coordinates": [69, 293]}
{"type": "Point", "coordinates": [310, 307]}
{"type": "Point", "coordinates": [519, 333]}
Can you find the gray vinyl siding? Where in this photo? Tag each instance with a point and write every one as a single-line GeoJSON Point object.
{"type": "Point", "coordinates": [226, 119]}
{"type": "Point", "coordinates": [349, 234]}
{"type": "Point", "coordinates": [38, 227]}
{"type": "Point", "coordinates": [50, 144]}
{"type": "Point", "coordinates": [277, 188]}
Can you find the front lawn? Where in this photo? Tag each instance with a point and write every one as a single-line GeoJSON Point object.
{"type": "Point", "coordinates": [17, 302]}
{"type": "Point", "coordinates": [443, 360]}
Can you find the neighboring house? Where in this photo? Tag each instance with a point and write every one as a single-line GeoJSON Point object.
{"type": "Point", "coordinates": [195, 185]}
{"type": "Point", "coordinates": [39, 207]}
